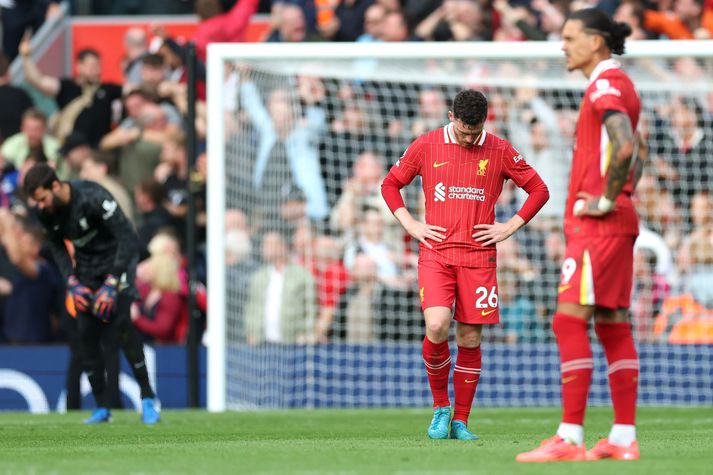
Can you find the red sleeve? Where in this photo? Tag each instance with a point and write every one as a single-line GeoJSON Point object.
{"type": "Point", "coordinates": [606, 94]}
{"type": "Point", "coordinates": [538, 194]}
{"type": "Point", "coordinates": [515, 167]}
{"type": "Point", "coordinates": [524, 176]}
{"type": "Point", "coordinates": [390, 190]}
{"type": "Point", "coordinates": [168, 312]}
{"type": "Point", "coordinates": [401, 174]}
{"type": "Point", "coordinates": [227, 27]}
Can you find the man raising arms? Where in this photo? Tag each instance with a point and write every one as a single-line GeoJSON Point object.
{"type": "Point", "coordinates": [600, 228]}
{"type": "Point", "coordinates": [463, 169]}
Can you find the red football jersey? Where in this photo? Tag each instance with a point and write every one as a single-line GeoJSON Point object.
{"type": "Point", "coordinates": [609, 89]}
{"type": "Point", "coordinates": [461, 187]}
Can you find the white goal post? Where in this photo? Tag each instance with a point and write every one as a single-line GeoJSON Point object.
{"type": "Point", "coordinates": [398, 73]}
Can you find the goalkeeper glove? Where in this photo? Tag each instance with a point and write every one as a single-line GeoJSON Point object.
{"type": "Point", "coordinates": [80, 295]}
{"type": "Point", "coordinates": [105, 297]}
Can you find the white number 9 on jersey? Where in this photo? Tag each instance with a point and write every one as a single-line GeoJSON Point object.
{"type": "Point", "coordinates": [568, 267]}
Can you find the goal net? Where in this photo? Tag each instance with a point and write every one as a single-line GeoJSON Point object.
{"type": "Point", "coordinates": [312, 282]}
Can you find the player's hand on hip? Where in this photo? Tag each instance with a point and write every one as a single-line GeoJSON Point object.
{"type": "Point", "coordinates": [423, 231]}
{"type": "Point", "coordinates": [489, 234]}
{"type": "Point", "coordinates": [105, 298]}
{"type": "Point", "coordinates": [591, 205]}
{"type": "Point", "coordinates": [81, 295]}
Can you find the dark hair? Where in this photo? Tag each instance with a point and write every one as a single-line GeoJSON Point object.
{"type": "Point", "coordinates": [4, 64]}
{"type": "Point", "coordinates": [34, 113]}
{"type": "Point", "coordinates": [153, 190]}
{"type": "Point", "coordinates": [40, 175]}
{"type": "Point", "coordinates": [32, 228]}
{"type": "Point", "coordinates": [153, 60]}
{"type": "Point", "coordinates": [471, 107]}
{"type": "Point", "coordinates": [37, 155]}
{"type": "Point", "coordinates": [598, 22]}
{"type": "Point", "coordinates": [86, 52]}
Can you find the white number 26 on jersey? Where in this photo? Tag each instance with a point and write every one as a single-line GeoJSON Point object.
{"type": "Point", "coordinates": [486, 299]}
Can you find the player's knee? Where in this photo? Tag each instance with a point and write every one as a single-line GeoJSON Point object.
{"type": "Point", "coordinates": [437, 330]}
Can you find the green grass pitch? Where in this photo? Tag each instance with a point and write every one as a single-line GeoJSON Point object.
{"type": "Point", "coordinates": [673, 440]}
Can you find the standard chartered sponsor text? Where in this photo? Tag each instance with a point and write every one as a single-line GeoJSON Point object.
{"type": "Point", "coordinates": [466, 193]}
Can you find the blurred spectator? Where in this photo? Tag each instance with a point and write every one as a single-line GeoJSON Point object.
{"type": "Point", "coordinates": [532, 124]}
{"type": "Point", "coordinates": [701, 214]}
{"type": "Point", "coordinates": [687, 319]}
{"type": "Point", "coordinates": [432, 112]}
{"type": "Point", "coordinates": [281, 305]}
{"type": "Point", "coordinates": [33, 136]}
{"type": "Point", "coordinates": [343, 21]}
{"type": "Point", "coordinates": [545, 294]}
{"type": "Point", "coordinates": [239, 262]}
{"type": "Point", "coordinates": [683, 157]}
{"type": "Point", "coordinates": [395, 27]}
{"type": "Point", "coordinates": [688, 20]}
{"type": "Point", "coordinates": [95, 167]}
{"type": "Point", "coordinates": [135, 49]}
{"type": "Point", "coordinates": [172, 173]}
{"type": "Point", "coordinates": [85, 103]}
{"type": "Point", "coordinates": [153, 71]}
{"type": "Point", "coordinates": [658, 211]}
{"type": "Point", "coordinates": [139, 157]}
{"type": "Point", "coordinates": [552, 17]}
{"type": "Point", "coordinates": [455, 20]}
{"type": "Point", "coordinates": [370, 241]}
{"type": "Point", "coordinates": [287, 157]}
{"type": "Point", "coordinates": [520, 321]}
{"type": "Point", "coordinates": [516, 23]}
{"type": "Point", "coordinates": [151, 216]}
{"type": "Point", "coordinates": [362, 192]}
{"type": "Point", "coordinates": [34, 294]}
{"type": "Point", "coordinates": [20, 15]}
{"type": "Point", "coordinates": [354, 318]}
{"type": "Point", "coordinates": [162, 312]}
{"type": "Point", "coordinates": [289, 25]}
{"type": "Point", "coordinates": [649, 291]}
{"type": "Point", "coordinates": [373, 23]}
{"type": "Point", "coordinates": [74, 151]}
{"type": "Point", "coordinates": [331, 278]}
{"type": "Point", "coordinates": [14, 100]}
{"type": "Point", "coordinates": [219, 27]}
{"type": "Point", "coordinates": [632, 13]}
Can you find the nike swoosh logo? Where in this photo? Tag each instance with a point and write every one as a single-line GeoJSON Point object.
{"type": "Point", "coordinates": [471, 380]}
{"type": "Point", "coordinates": [568, 379]}
{"type": "Point", "coordinates": [563, 288]}
{"type": "Point", "coordinates": [485, 313]}
{"type": "Point", "coordinates": [436, 164]}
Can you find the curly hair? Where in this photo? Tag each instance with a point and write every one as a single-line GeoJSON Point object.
{"type": "Point", "coordinates": [470, 106]}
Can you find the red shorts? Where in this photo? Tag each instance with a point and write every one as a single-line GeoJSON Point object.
{"type": "Point", "coordinates": [474, 290]}
{"type": "Point", "coordinates": [598, 271]}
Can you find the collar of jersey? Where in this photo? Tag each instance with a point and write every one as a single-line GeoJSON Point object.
{"type": "Point", "coordinates": [605, 65]}
{"type": "Point", "coordinates": [450, 136]}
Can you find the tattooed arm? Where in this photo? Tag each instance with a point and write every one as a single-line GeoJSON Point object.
{"type": "Point", "coordinates": [622, 139]}
{"type": "Point", "coordinates": [642, 156]}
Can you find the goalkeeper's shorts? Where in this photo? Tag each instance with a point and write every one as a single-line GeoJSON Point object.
{"type": "Point", "coordinates": [474, 290]}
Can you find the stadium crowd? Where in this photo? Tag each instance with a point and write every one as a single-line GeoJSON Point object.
{"type": "Point", "coordinates": [312, 252]}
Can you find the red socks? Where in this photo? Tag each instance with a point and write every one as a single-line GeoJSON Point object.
{"type": "Point", "coordinates": [623, 369]}
{"type": "Point", "coordinates": [465, 381]}
{"type": "Point", "coordinates": [437, 358]}
{"type": "Point", "coordinates": [576, 365]}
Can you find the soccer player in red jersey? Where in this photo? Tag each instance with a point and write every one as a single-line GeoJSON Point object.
{"type": "Point", "coordinates": [600, 228]}
{"type": "Point", "coordinates": [463, 169]}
